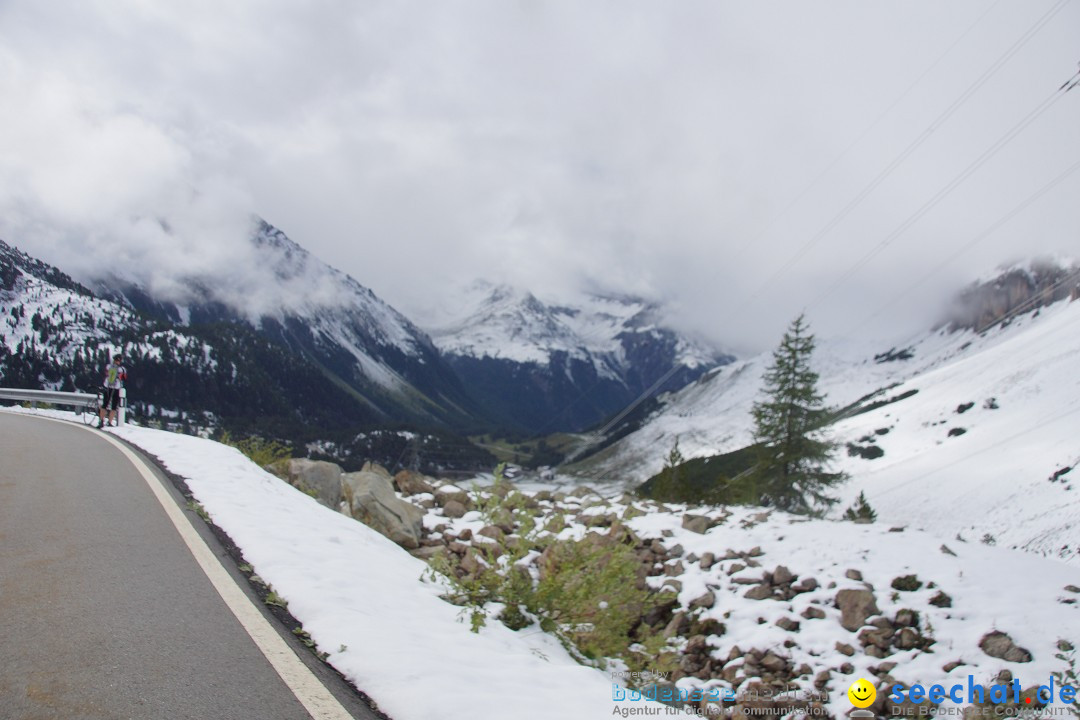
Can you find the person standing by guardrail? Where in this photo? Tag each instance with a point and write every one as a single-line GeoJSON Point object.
{"type": "Point", "coordinates": [113, 382]}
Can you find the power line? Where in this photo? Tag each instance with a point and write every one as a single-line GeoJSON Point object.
{"type": "Point", "coordinates": [851, 146]}
{"type": "Point", "coordinates": [943, 193]}
{"type": "Point", "coordinates": [1031, 199]}
{"type": "Point", "coordinates": [911, 148]}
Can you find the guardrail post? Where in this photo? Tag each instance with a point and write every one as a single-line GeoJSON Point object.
{"type": "Point", "coordinates": [121, 414]}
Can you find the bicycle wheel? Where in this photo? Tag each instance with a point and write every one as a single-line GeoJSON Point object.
{"type": "Point", "coordinates": [90, 411]}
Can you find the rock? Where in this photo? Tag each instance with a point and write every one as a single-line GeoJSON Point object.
{"type": "Point", "coordinates": [884, 668]}
{"type": "Point", "coordinates": [412, 483]}
{"type": "Point", "coordinates": [426, 552]}
{"type": "Point", "coordinates": [707, 560]}
{"type": "Point", "coordinates": [1072, 589]}
{"type": "Point", "coordinates": [661, 612]}
{"type": "Point", "coordinates": [705, 601]}
{"type": "Point", "coordinates": [949, 667]}
{"type": "Point", "coordinates": [907, 618]}
{"type": "Point", "coordinates": [805, 585]}
{"type": "Point", "coordinates": [813, 613]}
{"type": "Point", "coordinates": [678, 625]}
{"type": "Point", "coordinates": [674, 569]}
{"type": "Point", "coordinates": [465, 535]}
{"type": "Point", "coordinates": [773, 663]}
{"type": "Point", "coordinates": [907, 639]}
{"type": "Point", "coordinates": [999, 645]}
{"type": "Point", "coordinates": [758, 592]}
{"type": "Point", "coordinates": [846, 669]}
{"type": "Point", "coordinates": [782, 576]}
{"type": "Point", "coordinates": [675, 586]}
{"type": "Point", "coordinates": [492, 531]}
{"type": "Point", "coordinates": [875, 652]}
{"type": "Point", "coordinates": [941, 600]}
{"type": "Point", "coordinates": [853, 575]}
{"type": "Point", "coordinates": [855, 607]}
{"type": "Point", "coordinates": [692, 557]}
{"type": "Point", "coordinates": [322, 478]}
{"type": "Point", "coordinates": [755, 551]}
{"type": "Point", "coordinates": [449, 493]}
{"type": "Point", "coordinates": [735, 568]}
{"type": "Point", "coordinates": [786, 623]}
{"type": "Point", "coordinates": [845, 649]}
{"type": "Point", "coordinates": [875, 637]}
{"type": "Point", "coordinates": [695, 523]}
{"type": "Point", "coordinates": [376, 468]}
{"type": "Point", "coordinates": [469, 563]}
{"type": "Point", "coordinates": [454, 509]}
{"type": "Point", "coordinates": [371, 500]}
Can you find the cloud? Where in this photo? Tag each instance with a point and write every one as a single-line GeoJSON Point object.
{"type": "Point", "coordinates": [686, 151]}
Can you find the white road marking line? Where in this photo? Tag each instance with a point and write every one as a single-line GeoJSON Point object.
{"type": "Point", "coordinates": [308, 689]}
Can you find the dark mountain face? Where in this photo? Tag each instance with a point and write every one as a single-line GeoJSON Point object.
{"type": "Point", "coordinates": [361, 344]}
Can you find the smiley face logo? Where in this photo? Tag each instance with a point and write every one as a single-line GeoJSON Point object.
{"type": "Point", "coordinates": [861, 693]}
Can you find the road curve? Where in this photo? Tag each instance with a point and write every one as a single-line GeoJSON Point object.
{"type": "Point", "coordinates": [105, 612]}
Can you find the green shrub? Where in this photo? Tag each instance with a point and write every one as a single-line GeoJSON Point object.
{"type": "Point", "coordinates": [262, 452]}
{"type": "Point", "coordinates": [589, 593]}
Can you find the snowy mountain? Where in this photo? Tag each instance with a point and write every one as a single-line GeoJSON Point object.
{"type": "Point", "coordinates": [201, 375]}
{"type": "Point", "coordinates": [968, 433]}
{"type": "Point", "coordinates": [322, 314]}
{"type": "Point", "coordinates": [545, 366]}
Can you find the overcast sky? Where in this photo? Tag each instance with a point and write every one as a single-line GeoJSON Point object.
{"type": "Point", "coordinates": [704, 153]}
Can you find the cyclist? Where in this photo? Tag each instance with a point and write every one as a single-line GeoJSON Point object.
{"type": "Point", "coordinates": [115, 375]}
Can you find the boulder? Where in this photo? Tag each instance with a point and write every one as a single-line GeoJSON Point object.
{"type": "Point", "coordinates": [322, 478]}
{"type": "Point", "coordinates": [782, 576]}
{"type": "Point", "coordinates": [412, 483]}
{"type": "Point", "coordinates": [695, 523]}
{"type": "Point", "coordinates": [999, 645]}
{"type": "Point", "coordinates": [705, 601]}
{"type": "Point", "coordinates": [453, 509]}
{"type": "Point", "coordinates": [448, 493]}
{"type": "Point", "coordinates": [855, 607]}
{"type": "Point", "coordinates": [813, 613]}
{"type": "Point", "coordinates": [758, 592]}
{"type": "Point", "coordinates": [371, 500]}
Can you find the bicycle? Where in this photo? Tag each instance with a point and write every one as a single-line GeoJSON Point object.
{"type": "Point", "coordinates": [91, 410]}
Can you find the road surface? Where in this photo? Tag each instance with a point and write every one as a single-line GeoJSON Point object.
{"type": "Point", "coordinates": [105, 611]}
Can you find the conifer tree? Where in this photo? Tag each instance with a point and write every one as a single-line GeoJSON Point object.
{"type": "Point", "coordinates": [792, 468]}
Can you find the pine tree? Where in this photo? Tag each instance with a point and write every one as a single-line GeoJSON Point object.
{"type": "Point", "coordinates": [791, 472]}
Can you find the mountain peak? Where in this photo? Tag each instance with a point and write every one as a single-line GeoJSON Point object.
{"type": "Point", "coordinates": [1012, 289]}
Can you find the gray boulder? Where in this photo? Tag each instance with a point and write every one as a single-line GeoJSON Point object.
{"type": "Point", "coordinates": [318, 477]}
{"type": "Point", "coordinates": [371, 499]}
{"type": "Point", "coordinates": [855, 607]}
{"type": "Point", "coordinates": [999, 645]}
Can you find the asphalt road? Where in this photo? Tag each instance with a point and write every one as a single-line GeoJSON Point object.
{"type": "Point", "coordinates": [104, 612]}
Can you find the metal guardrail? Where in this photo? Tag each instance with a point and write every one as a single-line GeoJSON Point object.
{"type": "Point", "coordinates": [55, 397]}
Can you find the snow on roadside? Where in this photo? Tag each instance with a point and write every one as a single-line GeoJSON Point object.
{"type": "Point", "coordinates": [360, 597]}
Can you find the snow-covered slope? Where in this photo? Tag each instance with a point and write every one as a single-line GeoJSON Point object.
{"type": "Point", "coordinates": [978, 441]}
{"type": "Point", "coordinates": [558, 365]}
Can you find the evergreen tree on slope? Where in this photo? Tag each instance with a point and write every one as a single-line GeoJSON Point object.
{"type": "Point", "coordinates": [792, 469]}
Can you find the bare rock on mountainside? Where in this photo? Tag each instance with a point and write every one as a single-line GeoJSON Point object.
{"type": "Point", "coordinates": [1018, 289]}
